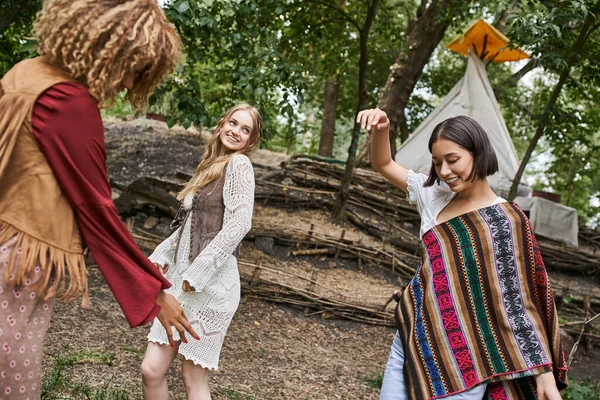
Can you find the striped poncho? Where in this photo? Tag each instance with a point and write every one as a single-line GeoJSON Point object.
{"type": "Point", "coordinates": [479, 309]}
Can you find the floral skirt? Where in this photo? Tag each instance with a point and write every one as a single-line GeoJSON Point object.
{"type": "Point", "coordinates": [24, 320]}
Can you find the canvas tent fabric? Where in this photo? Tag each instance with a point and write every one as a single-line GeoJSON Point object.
{"type": "Point", "coordinates": [550, 219]}
{"type": "Point", "coordinates": [472, 96]}
{"type": "Point", "coordinates": [488, 42]}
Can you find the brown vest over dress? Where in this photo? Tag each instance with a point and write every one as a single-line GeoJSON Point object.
{"type": "Point", "coordinates": [32, 205]}
{"type": "Point", "coordinates": [207, 216]}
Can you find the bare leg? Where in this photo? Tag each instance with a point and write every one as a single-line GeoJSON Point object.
{"type": "Point", "coordinates": [195, 379]}
{"type": "Point", "coordinates": [156, 363]}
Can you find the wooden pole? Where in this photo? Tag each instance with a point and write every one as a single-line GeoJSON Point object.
{"type": "Point", "coordinates": [255, 276]}
{"type": "Point", "coordinates": [311, 288]}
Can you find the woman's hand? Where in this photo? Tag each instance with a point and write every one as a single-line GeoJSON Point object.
{"type": "Point", "coordinates": [187, 287]}
{"type": "Point", "coordinates": [373, 118]}
{"type": "Point", "coordinates": [171, 314]}
{"type": "Point", "coordinates": [546, 387]}
{"type": "Point", "coordinates": [163, 268]}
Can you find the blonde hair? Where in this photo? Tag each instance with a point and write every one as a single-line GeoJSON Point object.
{"type": "Point", "coordinates": [99, 42]}
{"type": "Point", "coordinates": [217, 156]}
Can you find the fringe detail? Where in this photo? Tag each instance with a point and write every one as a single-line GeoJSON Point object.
{"type": "Point", "coordinates": [62, 274]}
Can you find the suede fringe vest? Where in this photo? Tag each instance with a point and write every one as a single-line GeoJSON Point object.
{"type": "Point", "coordinates": [32, 205]}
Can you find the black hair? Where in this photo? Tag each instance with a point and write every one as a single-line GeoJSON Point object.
{"type": "Point", "coordinates": [468, 134]}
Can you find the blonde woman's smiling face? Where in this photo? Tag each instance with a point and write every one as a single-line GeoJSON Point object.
{"type": "Point", "coordinates": [452, 163]}
{"type": "Point", "coordinates": [237, 130]}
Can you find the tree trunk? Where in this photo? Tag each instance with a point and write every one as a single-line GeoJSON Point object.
{"type": "Point", "coordinates": [579, 43]}
{"type": "Point", "coordinates": [424, 33]}
{"type": "Point", "coordinates": [330, 101]}
{"type": "Point", "coordinates": [516, 77]}
{"type": "Point", "coordinates": [343, 194]}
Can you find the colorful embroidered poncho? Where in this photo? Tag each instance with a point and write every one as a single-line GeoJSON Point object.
{"type": "Point", "coordinates": [480, 310]}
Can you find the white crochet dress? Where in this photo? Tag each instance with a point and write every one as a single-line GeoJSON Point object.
{"type": "Point", "coordinates": [214, 273]}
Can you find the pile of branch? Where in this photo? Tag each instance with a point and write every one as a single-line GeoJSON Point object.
{"type": "Point", "coordinates": [375, 206]}
{"type": "Point", "coordinates": [590, 237]}
{"type": "Point", "coordinates": [379, 208]}
{"type": "Point", "coordinates": [572, 297]}
{"type": "Point", "coordinates": [398, 261]}
{"type": "Point", "coordinates": [334, 305]}
{"type": "Point", "coordinates": [372, 220]}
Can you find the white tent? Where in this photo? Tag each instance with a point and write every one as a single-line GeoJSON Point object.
{"type": "Point", "coordinates": [472, 96]}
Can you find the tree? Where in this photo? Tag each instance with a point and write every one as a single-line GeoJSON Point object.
{"type": "Point", "coordinates": [232, 54]}
{"type": "Point", "coordinates": [330, 101]}
{"type": "Point", "coordinates": [424, 33]}
{"type": "Point", "coordinates": [567, 52]}
{"type": "Point", "coordinates": [363, 35]}
{"type": "Point", "coordinates": [16, 42]}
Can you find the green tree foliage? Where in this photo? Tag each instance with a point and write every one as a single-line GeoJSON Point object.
{"type": "Point", "coordinates": [232, 54]}
{"type": "Point", "coordinates": [16, 42]}
{"type": "Point", "coordinates": [560, 34]}
{"type": "Point", "coordinates": [278, 54]}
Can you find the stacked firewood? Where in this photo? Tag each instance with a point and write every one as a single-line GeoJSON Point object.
{"type": "Point", "coordinates": [379, 208]}
{"type": "Point", "coordinates": [375, 207]}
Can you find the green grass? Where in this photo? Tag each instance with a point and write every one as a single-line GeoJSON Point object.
{"type": "Point", "coordinates": [374, 382]}
{"type": "Point", "coordinates": [133, 350]}
{"type": "Point", "coordinates": [233, 395]}
{"type": "Point", "coordinates": [57, 384]}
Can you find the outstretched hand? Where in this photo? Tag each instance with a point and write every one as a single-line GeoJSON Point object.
{"type": "Point", "coordinates": [171, 314]}
{"type": "Point", "coordinates": [373, 118]}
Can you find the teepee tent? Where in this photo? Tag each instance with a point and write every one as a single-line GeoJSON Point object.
{"type": "Point", "coordinates": [472, 96]}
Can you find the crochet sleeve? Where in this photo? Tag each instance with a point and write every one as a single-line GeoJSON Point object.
{"type": "Point", "coordinates": [238, 197]}
{"type": "Point", "coordinates": [164, 253]}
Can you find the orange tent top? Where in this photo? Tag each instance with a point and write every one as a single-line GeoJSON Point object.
{"type": "Point", "coordinates": [488, 42]}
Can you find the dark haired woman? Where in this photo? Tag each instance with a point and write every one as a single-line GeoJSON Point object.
{"type": "Point", "coordinates": [477, 319]}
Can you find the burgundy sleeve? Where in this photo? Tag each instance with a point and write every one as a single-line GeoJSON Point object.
{"type": "Point", "coordinates": [68, 127]}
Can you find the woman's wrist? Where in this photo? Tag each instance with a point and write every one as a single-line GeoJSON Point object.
{"type": "Point", "coordinates": [545, 378]}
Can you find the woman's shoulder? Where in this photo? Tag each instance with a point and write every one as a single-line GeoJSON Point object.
{"type": "Point", "coordinates": [240, 164]}
{"type": "Point", "coordinates": [72, 97]}
{"type": "Point", "coordinates": [238, 160]}
{"type": "Point", "coordinates": [422, 195]}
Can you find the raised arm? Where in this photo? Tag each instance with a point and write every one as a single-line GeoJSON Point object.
{"type": "Point", "coordinates": [381, 159]}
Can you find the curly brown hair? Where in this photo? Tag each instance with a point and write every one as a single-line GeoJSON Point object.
{"type": "Point", "coordinates": [101, 41]}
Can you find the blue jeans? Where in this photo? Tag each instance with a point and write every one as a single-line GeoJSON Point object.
{"type": "Point", "coordinates": [394, 387]}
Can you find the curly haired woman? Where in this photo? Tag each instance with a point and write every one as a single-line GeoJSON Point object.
{"type": "Point", "coordinates": [54, 190]}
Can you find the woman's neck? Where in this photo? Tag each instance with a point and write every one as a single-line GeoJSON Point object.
{"type": "Point", "coordinates": [477, 191]}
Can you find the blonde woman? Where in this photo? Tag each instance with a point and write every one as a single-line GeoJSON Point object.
{"type": "Point", "coordinates": [199, 257]}
{"type": "Point", "coordinates": [54, 192]}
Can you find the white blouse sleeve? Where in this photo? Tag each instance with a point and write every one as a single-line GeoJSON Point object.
{"type": "Point", "coordinates": [417, 194]}
{"type": "Point", "coordinates": [164, 253]}
{"type": "Point", "coordinates": [238, 198]}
